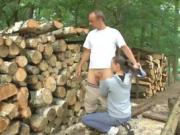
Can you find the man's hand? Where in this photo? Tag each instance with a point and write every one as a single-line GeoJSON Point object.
{"type": "Point", "coordinates": [78, 71]}
{"type": "Point", "coordinates": [137, 66]}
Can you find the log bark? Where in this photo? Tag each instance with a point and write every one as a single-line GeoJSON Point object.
{"type": "Point", "coordinates": [171, 124]}
{"type": "Point", "coordinates": [155, 116]}
{"type": "Point", "coordinates": [68, 31]}
{"type": "Point", "coordinates": [47, 112]}
{"type": "Point", "coordinates": [7, 90]}
{"type": "Point", "coordinates": [1, 41]}
{"type": "Point", "coordinates": [61, 108]}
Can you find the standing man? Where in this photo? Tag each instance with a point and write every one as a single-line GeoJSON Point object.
{"type": "Point", "coordinates": [100, 46]}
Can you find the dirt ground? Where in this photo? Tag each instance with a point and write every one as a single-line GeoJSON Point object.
{"type": "Point", "coordinates": [162, 97]}
{"type": "Point", "coordinates": [144, 126]}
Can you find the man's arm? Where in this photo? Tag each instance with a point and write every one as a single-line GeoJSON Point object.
{"type": "Point", "coordinates": [127, 51]}
{"type": "Point", "coordinates": [84, 58]}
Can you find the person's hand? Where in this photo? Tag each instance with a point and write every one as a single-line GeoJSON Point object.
{"type": "Point", "coordinates": [78, 71]}
{"type": "Point", "coordinates": [137, 66]}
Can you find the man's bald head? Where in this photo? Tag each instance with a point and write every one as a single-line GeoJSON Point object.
{"type": "Point", "coordinates": [98, 14]}
{"type": "Point", "coordinates": [96, 18]}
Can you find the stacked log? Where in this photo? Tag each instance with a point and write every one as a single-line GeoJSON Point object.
{"type": "Point", "coordinates": [155, 65]}
{"type": "Point", "coordinates": [39, 91]}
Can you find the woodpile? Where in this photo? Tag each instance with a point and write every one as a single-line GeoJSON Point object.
{"type": "Point", "coordinates": [39, 91]}
{"type": "Point", "coordinates": [155, 66]}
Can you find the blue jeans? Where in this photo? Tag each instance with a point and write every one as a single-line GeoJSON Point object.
{"type": "Point", "coordinates": [102, 121]}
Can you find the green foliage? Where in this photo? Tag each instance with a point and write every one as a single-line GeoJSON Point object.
{"type": "Point", "coordinates": [144, 23]}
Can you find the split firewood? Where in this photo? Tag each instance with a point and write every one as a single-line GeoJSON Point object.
{"type": "Point", "coordinates": [22, 102]}
{"type": "Point", "coordinates": [9, 110]}
{"type": "Point", "coordinates": [4, 123]}
{"type": "Point", "coordinates": [7, 90]}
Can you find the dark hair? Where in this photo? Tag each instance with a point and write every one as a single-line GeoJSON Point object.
{"type": "Point", "coordinates": [123, 62]}
{"type": "Point", "coordinates": [99, 14]}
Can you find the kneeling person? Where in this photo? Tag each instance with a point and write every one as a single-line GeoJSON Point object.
{"type": "Point", "coordinates": [117, 89]}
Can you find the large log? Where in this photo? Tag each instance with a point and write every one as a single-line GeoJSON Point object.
{"type": "Point", "coordinates": [50, 83]}
{"type": "Point", "coordinates": [13, 50]}
{"type": "Point", "coordinates": [41, 97]}
{"type": "Point", "coordinates": [47, 112]}
{"type": "Point", "coordinates": [4, 78]}
{"type": "Point", "coordinates": [8, 68]}
{"type": "Point", "coordinates": [22, 102]}
{"type": "Point", "coordinates": [20, 75]}
{"type": "Point", "coordinates": [43, 66]}
{"type": "Point", "coordinates": [140, 109]}
{"type": "Point", "coordinates": [155, 116]}
{"type": "Point", "coordinates": [48, 50]}
{"type": "Point", "coordinates": [32, 70]}
{"type": "Point", "coordinates": [68, 31]}
{"type": "Point", "coordinates": [21, 61]}
{"type": "Point", "coordinates": [7, 90]}
{"type": "Point", "coordinates": [33, 56]}
{"type": "Point", "coordinates": [60, 92]}
{"type": "Point", "coordinates": [61, 109]}
{"type": "Point", "coordinates": [171, 124]}
{"type": "Point", "coordinates": [59, 46]}
{"type": "Point", "coordinates": [71, 97]}
{"type": "Point", "coordinates": [171, 102]}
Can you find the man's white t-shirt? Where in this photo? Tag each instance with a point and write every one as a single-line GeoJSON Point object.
{"type": "Point", "coordinates": [102, 44]}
